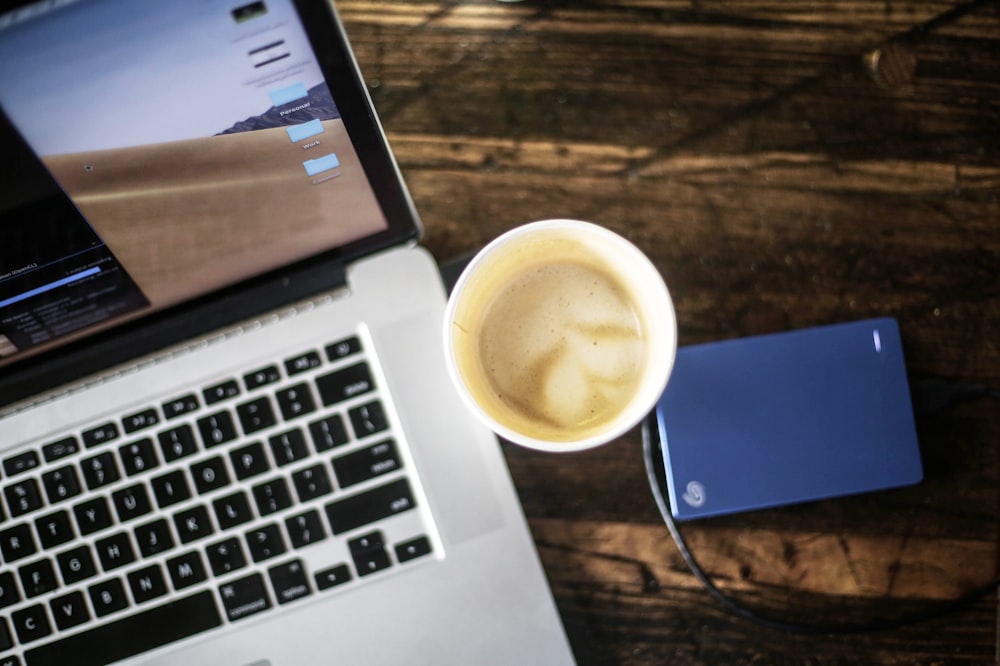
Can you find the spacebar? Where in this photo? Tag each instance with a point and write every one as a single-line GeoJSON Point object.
{"type": "Point", "coordinates": [131, 635]}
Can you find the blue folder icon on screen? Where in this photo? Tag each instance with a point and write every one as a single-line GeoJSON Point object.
{"type": "Point", "coordinates": [321, 164]}
{"type": "Point", "coordinates": [299, 132]}
{"type": "Point", "coordinates": [288, 94]}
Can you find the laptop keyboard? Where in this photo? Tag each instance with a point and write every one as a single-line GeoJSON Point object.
{"type": "Point", "coordinates": [260, 490]}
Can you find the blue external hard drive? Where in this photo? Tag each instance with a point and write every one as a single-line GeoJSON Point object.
{"type": "Point", "coordinates": [788, 417]}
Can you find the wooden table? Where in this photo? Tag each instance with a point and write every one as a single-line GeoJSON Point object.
{"type": "Point", "coordinates": [785, 164]}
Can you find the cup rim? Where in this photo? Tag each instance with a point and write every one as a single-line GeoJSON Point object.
{"type": "Point", "coordinates": [648, 393]}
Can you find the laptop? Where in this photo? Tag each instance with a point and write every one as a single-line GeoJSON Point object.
{"type": "Point", "coordinates": [226, 431]}
{"type": "Point", "coordinates": [785, 418]}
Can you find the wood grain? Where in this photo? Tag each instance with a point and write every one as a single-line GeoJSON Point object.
{"type": "Point", "coordinates": [785, 164]}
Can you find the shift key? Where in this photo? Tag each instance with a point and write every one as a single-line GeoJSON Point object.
{"type": "Point", "coordinates": [367, 507]}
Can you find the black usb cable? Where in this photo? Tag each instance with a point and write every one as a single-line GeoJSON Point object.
{"type": "Point", "coordinates": [929, 396]}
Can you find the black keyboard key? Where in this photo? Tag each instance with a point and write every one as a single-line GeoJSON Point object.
{"type": "Point", "coordinates": [54, 529]}
{"type": "Point", "coordinates": [219, 392]}
{"type": "Point", "coordinates": [92, 515]}
{"type": "Point", "coordinates": [61, 449]}
{"type": "Point", "coordinates": [69, 610]}
{"type": "Point", "coordinates": [132, 502]}
{"type": "Point", "coordinates": [193, 524]}
{"type": "Point", "coordinates": [295, 401]}
{"type": "Point", "coordinates": [115, 551]}
{"type": "Point", "coordinates": [61, 483]}
{"type": "Point", "coordinates": [338, 386]}
{"type": "Point", "coordinates": [272, 496]}
{"type": "Point", "coordinates": [17, 542]}
{"type": "Point", "coordinates": [149, 629]}
{"type": "Point", "coordinates": [6, 643]}
{"type": "Point", "coordinates": [226, 556]}
{"type": "Point", "coordinates": [249, 460]}
{"type": "Point", "coordinates": [333, 576]}
{"type": "Point", "coordinates": [100, 470]}
{"type": "Point", "coordinates": [23, 497]}
{"type": "Point", "coordinates": [369, 554]}
{"type": "Point", "coordinates": [100, 435]}
{"type": "Point", "coordinates": [328, 433]}
{"type": "Point", "coordinates": [210, 475]}
{"type": "Point", "coordinates": [289, 447]}
{"type": "Point", "coordinates": [412, 549]}
{"type": "Point", "coordinates": [312, 482]}
{"type": "Point", "coordinates": [367, 463]}
{"type": "Point", "coordinates": [108, 597]}
{"type": "Point", "coordinates": [365, 543]}
{"type": "Point", "coordinates": [22, 462]}
{"type": "Point", "coordinates": [367, 507]}
{"type": "Point", "coordinates": [147, 583]}
{"type": "Point", "coordinates": [138, 456]}
{"type": "Point", "coordinates": [8, 590]}
{"type": "Point", "coordinates": [154, 537]}
{"type": "Point", "coordinates": [244, 597]}
{"type": "Point", "coordinates": [31, 624]}
{"type": "Point", "coordinates": [147, 418]}
{"type": "Point", "coordinates": [265, 542]}
{"type": "Point", "coordinates": [343, 348]}
{"type": "Point", "coordinates": [179, 406]}
{"type": "Point", "coordinates": [289, 581]}
{"type": "Point", "coordinates": [302, 363]}
{"type": "Point", "coordinates": [261, 377]}
{"type": "Point", "coordinates": [177, 443]}
{"type": "Point", "coordinates": [217, 429]}
{"type": "Point", "coordinates": [256, 415]}
{"type": "Point", "coordinates": [186, 570]}
{"type": "Point", "coordinates": [38, 578]}
{"type": "Point", "coordinates": [305, 529]}
{"type": "Point", "coordinates": [171, 488]}
{"type": "Point", "coordinates": [76, 564]}
{"type": "Point", "coordinates": [368, 419]}
{"type": "Point", "coordinates": [232, 510]}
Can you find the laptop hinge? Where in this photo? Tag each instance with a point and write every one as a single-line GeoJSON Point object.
{"type": "Point", "coordinates": [221, 310]}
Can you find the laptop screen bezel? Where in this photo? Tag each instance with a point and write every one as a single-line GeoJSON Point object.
{"type": "Point", "coordinates": [46, 371]}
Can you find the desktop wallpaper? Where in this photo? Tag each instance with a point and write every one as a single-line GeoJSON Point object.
{"type": "Point", "coordinates": [197, 138]}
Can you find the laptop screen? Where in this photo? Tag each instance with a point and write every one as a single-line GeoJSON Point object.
{"type": "Point", "coordinates": [159, 151]}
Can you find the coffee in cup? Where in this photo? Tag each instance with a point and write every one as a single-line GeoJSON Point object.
{"type": "Point", "coordinates": [560, 335]}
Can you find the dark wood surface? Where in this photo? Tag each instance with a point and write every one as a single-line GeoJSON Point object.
{"type": "Point", "coordinates": [785, 164]}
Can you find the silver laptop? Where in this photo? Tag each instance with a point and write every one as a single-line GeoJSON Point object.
{"type": "Point", "coordinates": [226, 431]}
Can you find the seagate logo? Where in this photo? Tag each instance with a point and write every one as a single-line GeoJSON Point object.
{"type": "Point", "coordinates": [694, 495]}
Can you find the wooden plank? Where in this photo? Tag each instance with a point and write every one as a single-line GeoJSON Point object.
{"type": "Point", "coordinates": [785, 164]}
{"type": "Point", "coordinates": [744, 559]}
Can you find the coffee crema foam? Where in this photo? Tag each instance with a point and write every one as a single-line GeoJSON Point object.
{"type": "Point", "coordinates": [560, 349]}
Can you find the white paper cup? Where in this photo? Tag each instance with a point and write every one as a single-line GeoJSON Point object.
{"type": "Point", "coordinates": [560, 335]}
